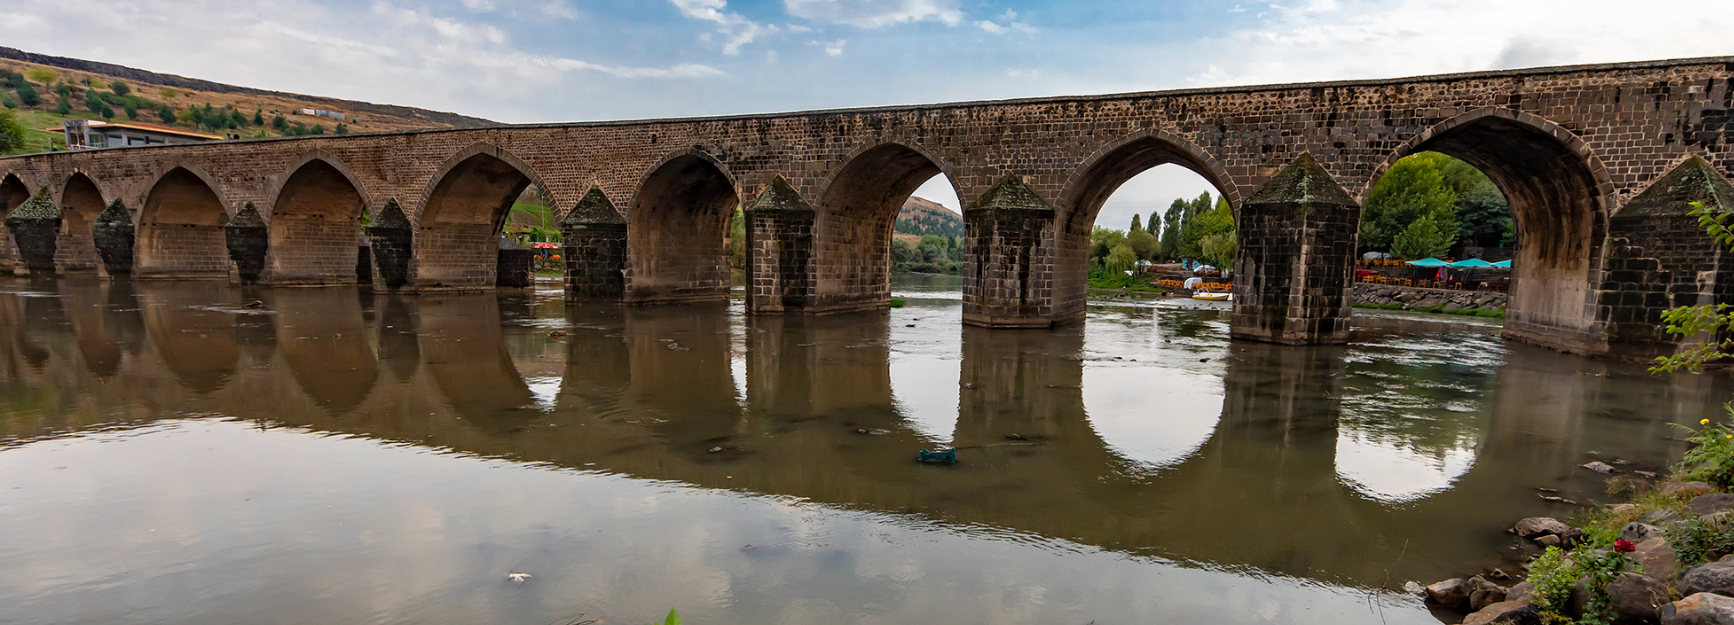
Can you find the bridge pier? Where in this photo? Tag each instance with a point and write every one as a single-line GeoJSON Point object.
{"type": "Point", "coordinates": [780, 230]}
{"type": "Point", "coordinates": [248, 239]}
{"type": "Point", "coordinates": [391, 247]}
{"type": "Point", "coordinates": [1008, 276]}
{"type": "Point", "coordinates": [113, 234]}
{"type": "Point", "coordinates": [594, 249]}
{"type": "Point", "coordinates": [1296, 255]}
{"type": "Point", "coordinates": [35, 228]}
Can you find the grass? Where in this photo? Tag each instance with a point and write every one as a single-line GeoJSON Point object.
{"type": "Point", "coordinates": [1439, 309]}
{"type": "Point", "coordinates": [1122, 282]}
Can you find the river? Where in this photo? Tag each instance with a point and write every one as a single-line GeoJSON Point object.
{"type": "Point", "coordinates": [197, 453]}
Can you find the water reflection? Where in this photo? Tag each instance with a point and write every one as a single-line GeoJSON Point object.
{"type": "Point", "coordinates": [1142, 444]}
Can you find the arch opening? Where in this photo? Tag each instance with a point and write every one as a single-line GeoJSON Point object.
{"type": "Point", "coordinates": [181, 230]}
{"type": "Point", "coordinates": [858, 214]}
{"type": "Point", "coordinates": [13, 193]}
{"type": "Point", "coordinates": [80, 203]}
{"type": "Point", "coordinates": [315, 228]}
{"type": "Point", "coordinates": [675, 232]}
{"type": "Point", "coordinates": [1557, 210]}
{"type": "Point", "coordinates": [458, 241]}
{"type": "Point", "coordinates": [1169, 188]}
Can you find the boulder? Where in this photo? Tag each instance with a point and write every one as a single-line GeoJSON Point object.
{"type": "Point", "coordinates": [1600, 467]}
{"type": "Point", "coordinates": [1715, 577]}
{"type": "Point", "coordinates": [1537, 526]}
{"type": "Point", "coordinates": [1660, 516]}
{"type": "Point", "coordinates": [1505, 612]}
{"type": "Point", "coordinates": [1451, 593]}
{"type": "Point", "coordinates": [1521, 591]}
{"type": "Point", "coordinates": [1698, 609]}
{"type": "Point", "coordinates": [1687, 489]}
{"type": "Point", "coordinates": [1639, 532]}
{"type": "Point", "coordinates": [1706, 505]}
{"type": "Point", "coordinates": [1483, 593]}
{"type": "Point", "coordinates": [1636, 598]}
{"type": "Point", "coordinates": [1657, 557]}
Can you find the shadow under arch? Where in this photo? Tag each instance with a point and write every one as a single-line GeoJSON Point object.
{"type": "Point", "coordinates": [180, 233]}
{"type": "Point", "coordinates": [315, 227]}
{"type": "Point", "coordinates": [13, 193]}
{"type": "Point", "coordinates": [87, 306]}
{"type": "Point", "coordinates": [857, 211]}
{"type": "Point", "coordinates": [323, 338]}
{"type": "Point", "coordinates": [1090, 186]}
{"type": "Point", "coordinates": [1561, 198]}
{"type": "Point", "coordinates": [458, 223]}
{"type": "Point", "coordinates": [675, 230]}
{"type": "Point", "coordinates": [196, 344]}
{"type": "Point", "coordinates": [81, 200]}
{"type": "Point", "coordinates": [465, 354]}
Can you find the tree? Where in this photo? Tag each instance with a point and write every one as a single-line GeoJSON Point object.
{"type": "Point", "coordinates": [1144, 244]}
{"type": "Point", "coordinates": [1204, 224]}
{"type": "Point", "coordinates": [42, 75]}
{"type": "Point", "coordinates": [65, 90]}
{"type": "Point", "coordinates": [280, 122]}
{"type": "Point", "coordinates": [1424, 238]}
{"type": "Point", "coordinates": [259, 117]}
{"type": "Point", "coordinates": [341, 129]}
{"type": "Point", "coordinates": [1414, 187]}
{"type": "Point", "coordinates": [166, 114]}
{"type": "Point", "coordinates": [131, 109]}
{"type": "Point", "coordinates": [27, 94]}
{"type": "Point", "coordinates": [1219, 249]}
{"type": "Point", "coordinates": [64, 108]}
{"type": "Point", "coordinates": [107, 113]}
{"type": "Point", "coordinates": [1104, 240]}
{"type": "Point", "coordinates": [119, 88]}
{"type": "Point", "coordinates": [1121, 258]}
{"type": "Point", "coordinates": [1171, 227]}
{"type": "Point", "coordinates": [11, 132]}
{"type": "Point", "coordinates": [319, 129]}
{"type": "Point", "coordinates": [93, 101]}
{"type": "Point", "coordinates": [738, 239]}
{"type": "Point", "coordinates": [1137, 225]}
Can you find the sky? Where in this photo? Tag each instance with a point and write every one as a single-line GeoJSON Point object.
{"type": "Point", "coordinates": [578, 60]}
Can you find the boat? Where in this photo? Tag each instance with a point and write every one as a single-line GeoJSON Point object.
{"type": "Point", "coordinates": [1210, 297]}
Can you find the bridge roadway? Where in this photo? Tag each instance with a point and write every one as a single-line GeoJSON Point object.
{"type": "Point", "coordinates": [1600, 164]}
{"type": "Point", "coordinates": [441, 370]}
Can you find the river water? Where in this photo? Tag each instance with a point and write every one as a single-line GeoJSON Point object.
{"type": "Point", "coordinates": [170, 453]}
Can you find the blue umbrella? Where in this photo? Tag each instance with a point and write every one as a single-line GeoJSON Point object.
{"type": "Point", "coordinates": [1472, 262]}
{"type": "Point", "coordinates": [1504, 264]}
{"type": "Point", "coordinates": [1429, 262]}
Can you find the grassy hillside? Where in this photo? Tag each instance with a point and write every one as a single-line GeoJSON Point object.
{"type": "Point", "coordinates": [921, 216]}
{"type": "Point", "coordinates": [193, 105]}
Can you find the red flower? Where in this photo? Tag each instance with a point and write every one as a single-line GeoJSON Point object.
{"type": "Point", "coordinates": [1624, 546]}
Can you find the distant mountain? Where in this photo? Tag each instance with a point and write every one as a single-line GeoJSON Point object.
{"type": "Point", "coordinates": [921, 216]}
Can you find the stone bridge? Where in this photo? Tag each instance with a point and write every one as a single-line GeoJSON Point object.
{"type": "Point", "coordinates": [1600, 164]}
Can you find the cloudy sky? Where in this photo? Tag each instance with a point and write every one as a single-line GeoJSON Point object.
{"type": "Point", "coordinates": [571, 60]}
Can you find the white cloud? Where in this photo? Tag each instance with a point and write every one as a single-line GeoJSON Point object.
{"type": "Point", "coordinates": [736, 31]}
{"type": "Point", "coordinates": [876, 13]}
{"type": "Point", "coordinates": [1008, 22]}
{"type": "Point", "coordinates": [558, 10]}
{"type": "Point", "coordinates": [990, 27]}
{"type": "Point", "coordinates": [832, 48]}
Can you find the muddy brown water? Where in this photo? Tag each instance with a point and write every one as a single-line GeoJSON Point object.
{"type": "Point", "coordinates": [170, 455]}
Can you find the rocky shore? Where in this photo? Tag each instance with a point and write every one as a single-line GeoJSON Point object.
{"type": "Point", "coordinates": [1415, 298]}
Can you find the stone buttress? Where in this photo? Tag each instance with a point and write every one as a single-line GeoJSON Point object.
{"type": "Point", "coordinates": [594, 248]}
{"type": "Point", "coordinates": [35, 227]}
{"type": "Point", "coordinates": [248, 239]}
{"type": "Point", "coordinates": [1296, 255]}
{"type": "Point", "coordinates": [1008, 276]}
{"type": "Point", "coordinates": [779, 232]}
{"type": "Point", "coordinates": [390, 237]}
{"type": "Point", "coordinates": [115, 235]}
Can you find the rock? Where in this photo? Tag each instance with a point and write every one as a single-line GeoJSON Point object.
{"type": "Point", "coordinates": [1549, 540]}
{"type": "Point", "coordinates": [1451, 593]}
{"type": "Point", "coordinates": [1622, 508]}
{"type": "Point", "coordinates": [1522, 591]}
{"type": "Point", "coordinates": [1715, 577]}
{"type": "Point", "coordinates": [1601, 467]}
{"type": "Point", "coordinates": [1636, 598]}
{"type": "Point", "coordinates": [1505, 612]}
{"type": "Point", "coordinates": [1687, 489]}
{"type": "Point", "coordinates": [1537, 526]}
{"type": "Point", "coordinates": [1657, 557]}
{"type": "Point", "coordinates": [1705, 505]}
{"type": "Point", "coordinates": [1638, 532]}
{"type": "Point", "coordinates": [1483, 593]}
{"type": "Point", "coordinates": [1664, 515]}
{"type": "Point", "coordinates": [1648, 475]}
{"type": "Point", "coordinates": [1698, 609]}
{"type": "Point", "coordinates": [1415, 588]}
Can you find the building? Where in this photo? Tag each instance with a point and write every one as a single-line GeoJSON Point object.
{"type": "Point", "coordinates": [83, 134]}
{"type": "Point", "coordinates": [321, 113]}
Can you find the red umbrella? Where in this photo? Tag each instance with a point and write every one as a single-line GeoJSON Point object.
{"type": "Point", "coordinates": [545, 246]}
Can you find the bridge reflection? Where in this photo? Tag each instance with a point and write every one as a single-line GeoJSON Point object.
{"type": "Point", "coordinates": [805, 407]}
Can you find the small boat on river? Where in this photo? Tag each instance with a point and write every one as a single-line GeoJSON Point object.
{"type": "Point", "coordinates": [1210, 297]}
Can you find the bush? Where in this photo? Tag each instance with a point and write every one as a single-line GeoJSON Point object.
{"type": "Point", "coordinates": [1695, 542]}
{"type": "Point", "coordinates": [166, 114]}
{"type": "Point", "coordinates": [1551, 578]}
{"type": "Point", "coordinates": [131, 110]}
{"type": "Point", "coordinates": [42, 75]}
{"type": "Point", "coordinates": [64, 108]}
{"type": "Point", "coordinates": [1712, 457]}
{"type": "Point", "coordinates": [120, 88]}
{"type": "Point", "coordinates": [27, 94]}
{"type": "Point", "coordinates": [11, 132]}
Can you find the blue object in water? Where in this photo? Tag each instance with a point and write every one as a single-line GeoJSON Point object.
{"type": "Point", "coordinates": [947, 456]}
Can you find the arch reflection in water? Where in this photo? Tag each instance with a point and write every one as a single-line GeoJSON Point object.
{"type": "Point", "coordinates": [324, 340]}
{"type": "Point", "coordinates": [465, 355]}
{"type": "Point", "coordinates": [193, 333]}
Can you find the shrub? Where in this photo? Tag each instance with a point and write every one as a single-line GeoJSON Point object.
{"type": "Point", "coordinates": [42, 75]}
{"type": "Point", "coordinates": [27, 94]}
{"type": "Point", "coordinates": [1552, 577]}
{"type": "Point", "coordinates": [11, 132]}
{"type": "Point", "coordinates": [166, 114]}
{"type": "Point", "coordinates": [119, 88]}
{"type": "Point", "coordinates": [1695, 541]}
{"type": "Point", "coordinates": [1711, 459]}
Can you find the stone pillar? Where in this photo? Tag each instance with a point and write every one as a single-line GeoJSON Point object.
{"type": "Point", "coordinates": [390, 234]}
{"type": "Point", "coordinates": [514, 265]}
{"type": "Point", "coordinates": [594, 249]}
{"type": "Point", "coordinates": [35, 227]}
{"type": "Point", "coordinates": [1296, 257]}
{"type": "Point", "coordinates": [248, 238]}
{"type": "Point", "coordinates": [115, 234]}
{"type": "Point", "coordinates": [779, 232]}
{"type": "Point", "coordinates": [1008, 276]}
{"type": "Point", "coordinates": [1659, 257]}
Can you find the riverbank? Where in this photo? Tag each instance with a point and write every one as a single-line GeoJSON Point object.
{"type": "Point", "coordinates": [1665, 555]}
{"type": "Point", "coordinates": [1389, 297]}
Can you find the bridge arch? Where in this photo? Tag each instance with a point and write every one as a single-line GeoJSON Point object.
{"type": "Point", "coordinates": [180, 231]}
{"type": "Point", "coordinates": [857, 211]}
{"type": "Point", "coordinates": [1089, 186]}
{"type": "Point", "coordinates": [675, 227]}
{"type": "Point", "coordinates": [81, 201]}
{"type": "Point", "coordinates": [14, 190]}
{"type": "Point", "coordinates": [1561, 199]}
{"type": "Point", "coordinates": [315, 224]}
{"type": "Point", "coordinates": [462, 209]}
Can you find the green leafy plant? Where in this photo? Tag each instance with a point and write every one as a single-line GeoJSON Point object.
{"type": "Point", "coordinates": [1715, 322]}
{"type": "Point", "coordinates": [672, 619]}
{"type": "Point", "coordinates": [1711, 459]}
{"type": "Point", "coordinates": [1552, 576]}
{"type": "Point", "coordinates": [1695, 541]}
{"type": "Point", "coordinates": [1598, 568]}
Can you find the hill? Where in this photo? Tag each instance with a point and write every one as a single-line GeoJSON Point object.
{"type": "Point", "coordinates": [146, 91]}
{"type": "Point", "coordinates": [921, 216]}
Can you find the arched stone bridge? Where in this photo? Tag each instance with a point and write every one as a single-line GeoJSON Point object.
{"type": "Point", "coordinates": [1578, 151]}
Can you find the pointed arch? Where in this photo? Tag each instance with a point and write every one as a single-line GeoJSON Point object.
{"type": "Point", "coordinates": [460, 214]}
{"type": "Point", "coordinates": [315, 224]}
{"type": "Point", "coordinates": [857, 212]}
{"type": "Point", "coordinates": [13, 191]}
{"type": "Point", "coordinates": [180, 232]}
{"type": "Point", "coordinates": [675, 228]}
{"type": "Point", "coordinates": [81, 200]}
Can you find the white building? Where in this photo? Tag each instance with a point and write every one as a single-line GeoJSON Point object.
{"type": "Point", "coordinates": [83, 134]}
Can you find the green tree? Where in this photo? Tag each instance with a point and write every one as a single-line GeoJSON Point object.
{"type": "Point", "coordinates": [166, 114]}
{"type": "Point", "coordinates": [131, 109]}
{"type": "Point", "coordinates": [107, 113]}
{"type": "Point", "coordinates": [738, 239]}
{"type": "Point", "coordinates": [1144, 244]}
{"type": "Point", "coordinates": [93, 101]}
{"type": "Point", "coordinates": [1423, 238]}
{"type": "Point", "coordinates": [65, 90]}
{"type": "Point", "coordinates": [1171, 227]}
{"type": "Point", "coordinates": [341, 129]}
{"type": "Point", "coordinates": [1104, 240]}
{"type": "Point", "coordinates": [1121, 258]}
{"type": "Point", "coordinates": [281, 123]}
{"type": "Point", "coordinates": [64, 108]}
{"type": "Point", "coordinates": [1205, 224]}
{"type": "Point", "coordinates": [42, 75]}
{"type": "Point", "coordinates": [1218, 249]}
{"type": "Point", "coordinates": [27, 94]}
{"type": "Point", "coordinates": [319, 129]}
{"type": "Point", "coordinates": [1414, 187]}
{"type": "Point", "coordinates": [11, 132]}
{"type": "Point", "coordinates": [119, 88]}
{"type": "Point", "coordinates": [259, 117]}
{"type": "Point", "coordinates": [1137, 224]}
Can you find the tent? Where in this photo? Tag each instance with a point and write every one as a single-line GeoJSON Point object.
{"type": "Point", "coordinates": [1429, 262]}
{"type": "Point", "coordinates": [1504, 264]}
{"type": "Point", "coordinates": [1471, 263]}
